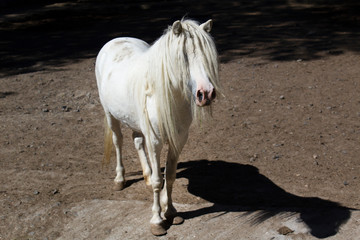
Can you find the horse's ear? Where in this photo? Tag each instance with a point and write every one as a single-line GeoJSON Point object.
{"type": "Point", "coordinates": [176, 27]}
{"type": "Point", "coordinates": [207, 26]}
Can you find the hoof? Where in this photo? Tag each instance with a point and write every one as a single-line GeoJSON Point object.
{"type": "Point", "coordinates": [118, 186]}
{"type": "Point", "coordinates": [176, 220]}
{"type": "Point", "coordinates": [158, 229]}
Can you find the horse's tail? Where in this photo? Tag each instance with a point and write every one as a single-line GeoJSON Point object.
{"type": "Point", "coordinates": [108, 143]}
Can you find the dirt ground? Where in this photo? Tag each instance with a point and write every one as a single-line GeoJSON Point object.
{"type": "Point", "coordinates": [279, 159]}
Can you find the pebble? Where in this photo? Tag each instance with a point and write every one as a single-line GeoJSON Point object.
{"type": "Point", "coordinates": [276, 157]}
{"type": "Point", "coordinates": [70, 213]}
{"type": "Point", "coordinates": [36, 192]}
{"type": "Point", "coordinates": [285, 230]}
{"type": "Point", "coordinates": [282, 97]}
{"type": "Point", "coordinates": [66, 109]}
{"type": "Point", "coordinates": [278, 144]}
{"type": "Point", "coordinates": [253, 158]}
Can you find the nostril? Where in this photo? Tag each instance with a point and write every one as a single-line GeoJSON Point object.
{"type": "Point", "coordinates": [200, 95]}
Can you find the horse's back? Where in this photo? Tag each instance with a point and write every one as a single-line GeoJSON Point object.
{"type": "Point", "coordinates": [124, 47]}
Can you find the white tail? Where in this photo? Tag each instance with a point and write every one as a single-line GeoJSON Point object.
{"type": "Point", "coordinates": [108, 143]}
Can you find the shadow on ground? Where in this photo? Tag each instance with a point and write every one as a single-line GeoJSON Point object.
{"type": "Point", "coordinates": [38, 35]}
{"type": "Point", "coordinates": [236, 187]}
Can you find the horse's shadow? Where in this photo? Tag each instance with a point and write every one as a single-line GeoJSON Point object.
{"type": "Point", "coordinates": [236, 187]}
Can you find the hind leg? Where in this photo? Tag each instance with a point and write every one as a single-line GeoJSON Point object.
{"type": "Point", "coordinates": [118, 141]}
{"type": "Point", "coordinates": [139, 145]}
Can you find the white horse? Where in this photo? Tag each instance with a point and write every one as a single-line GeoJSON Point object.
{"type": "Point", "coordinates": [154, 90]}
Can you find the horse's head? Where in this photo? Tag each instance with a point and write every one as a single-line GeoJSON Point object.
{"type": "Point", "coordinates": [201, 57]}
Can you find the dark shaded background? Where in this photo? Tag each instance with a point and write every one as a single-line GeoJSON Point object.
{"type": "Point", "coordinates": [42, 34]}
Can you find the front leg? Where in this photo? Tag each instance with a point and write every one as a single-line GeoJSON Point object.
{"type": "Point", "coordinates": [156, 223]}
{"type": "Point", "coordinates": [166, 199]}
{"type": "Point", "coordinates": [170, 176]}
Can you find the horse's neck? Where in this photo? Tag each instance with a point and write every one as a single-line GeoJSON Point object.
{"type": "Point", "coordinates": [181, 103]}
{"type": "Point", "coordinates": [153, 57]}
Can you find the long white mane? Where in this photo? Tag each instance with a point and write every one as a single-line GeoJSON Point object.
{"type": "Point", "coordinates": [168, 77]}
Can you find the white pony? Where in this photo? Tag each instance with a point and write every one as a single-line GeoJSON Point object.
{"type": "Point", "coordinates": [154, 90]}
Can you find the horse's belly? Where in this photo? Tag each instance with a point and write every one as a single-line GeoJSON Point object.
{"type": "Point", "coordinates": [129, 121]}
{"type": "Point", "coordinates": [127, 117]}
{"type": "Point", "coordinates": [119, 102]}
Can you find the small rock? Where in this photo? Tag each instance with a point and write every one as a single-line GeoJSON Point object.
{"type": "Point", "coordinates": [285, 230]}
{"type": "Point", "coordinates": [70, 213]}
{"type": "Point", "coordinates": [45, 110]}
{"type": "Point", "coordinates": [315, 156]}
{"type": "Point", "coordinates": [278, 144]}
{"type": "Point", "coordinates": [66, 108]}
{"type": "Point", "coordinates": [36, 192]}
{"type": "Point", "coordinates": [346, 183]}
{"type": "Point", "coordinates": [282, 97]}
{"type": "Point", "coordinates": [253, 158]}
{"type": "Point", "coordinates": [55, 191]}
{"type": "Point", "coordinates": [276, 157]}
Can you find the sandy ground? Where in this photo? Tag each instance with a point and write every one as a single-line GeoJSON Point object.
{"type": "Point", "coordinates": [279, 159]}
